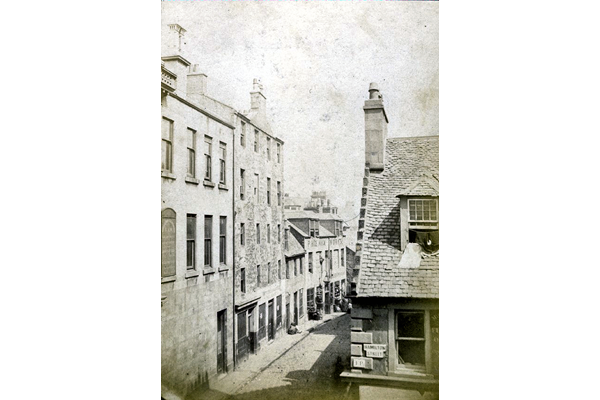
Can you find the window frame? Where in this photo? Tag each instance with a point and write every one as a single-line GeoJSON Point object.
{"type": "Point", "coordinates": [399, 366]}
{"type": "Point", "coordinates": [243, 134]}
{"type": "Point", "coordinates": [223, 163]}
{"type": "Point", "coordinates": [242, 183]}
{"type": "Point", "coordinates": [208, 227]}
{"type": "Point", "coordinates": [242, 234]}
{"type": "Point", "coordinates": [223, 240]}
{"type": "Point", "coordinates": [268, 148]}
{"type": "Point", "coordinates": [258, 233]}
{"type": "Point", "coordinates": [429, 224]}
{"type": "Point", "coordinates": [243, 280]}
{"type": "Point", "coordinates": [192, 154]}
{"type": "Point", "coordinates": [190, 242]}
{"type": "Point", "coordinates": [256, 141]}
{"type": "Point", "coordinates": [279, 152]}
{"type": "Point", "coordinates": [268, 191]}
{"type": "Point", "coordinates": [169, 146]}
{"type": "Point", "coordinates": [207, 158]}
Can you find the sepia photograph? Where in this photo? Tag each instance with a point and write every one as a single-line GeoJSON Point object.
{"type": "Point", "coordinates": [299, 200]}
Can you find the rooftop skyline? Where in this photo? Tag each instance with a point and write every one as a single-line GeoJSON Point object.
{"type": "Point", "coordinates": [315, 61]}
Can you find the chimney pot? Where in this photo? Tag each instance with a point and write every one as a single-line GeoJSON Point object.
{"type": "Point", "coordinates": [375, 129]}
{"type": "Point", "coordinates": [374, 91]}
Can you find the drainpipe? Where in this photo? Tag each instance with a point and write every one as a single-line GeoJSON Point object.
{"type": "Point", "coordinates": [233, 191]}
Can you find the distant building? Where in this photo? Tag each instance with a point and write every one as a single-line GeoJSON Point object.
{"type": "Point", "coordinates": [321, 235]}
{"type": "Point", "coordinates": [294, 203]}
{"type": "Point", "coordinates": [395, 314]}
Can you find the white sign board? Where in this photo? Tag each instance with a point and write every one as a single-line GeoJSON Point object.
{"type": "Point", "coordinates": [359, 363]}
{"type": "Point", "coordinates": [381, 347]}
{"type": "Point", "coordinates": [375, 353]}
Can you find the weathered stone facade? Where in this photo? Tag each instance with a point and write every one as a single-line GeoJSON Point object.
{"type": "Point", "coordinates": [195, 346]}
{"type": "Point", "coordinates": [259, 230]}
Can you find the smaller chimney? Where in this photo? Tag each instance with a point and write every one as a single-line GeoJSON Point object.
{"type": "Point", "coordinates": [196, 82]}
{"type": "Point", "coordinates": [375, 129]}
{"type": "Point", "coordinates": [258, 101]}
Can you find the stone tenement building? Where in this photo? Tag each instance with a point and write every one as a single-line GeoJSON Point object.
{"type": "Point", "coordinates": [395, 314]}
{"type": "Point", "coordinates": [222, 227]}
{"type": "Point", "coordinates": [196, 225]}
{"type": "Point", "coordinates": [259, 230]}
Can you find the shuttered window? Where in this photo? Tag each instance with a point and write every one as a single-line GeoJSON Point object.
{"type": "Point", "coordinates": [168, 230]}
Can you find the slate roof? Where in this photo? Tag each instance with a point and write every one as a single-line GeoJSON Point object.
{"type": "Point", "coordinates": [294, 247]}
{"type": "Point", "coordinates": [411, 166]}
{"type": "Point", "coordinates": [323, 232]}
{"type": "Point", "coordinates": [300, 231]}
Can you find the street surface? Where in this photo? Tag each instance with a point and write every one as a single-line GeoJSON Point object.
{"type": "Point", "coordinates": [309, 370]}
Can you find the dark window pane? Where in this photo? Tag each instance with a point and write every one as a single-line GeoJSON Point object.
{"type": "Point", "coordinates": [411, 324]}
{"type": "Point", "coordinates": [411, 352]}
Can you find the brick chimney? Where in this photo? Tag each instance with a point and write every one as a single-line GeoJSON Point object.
{"type": "Point", "coordinates": [258, 101]}
{"type": "Point", "coordinates": [375, 129]}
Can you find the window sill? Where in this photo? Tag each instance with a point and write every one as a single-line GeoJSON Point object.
{"type": "Point", "coordinates": [168, 175]}
{"type": "Point", "coordinates": [192, 273]}
{"type": "Point", "coordinates": [223, 267]}
{"type": "Point", "coordinates": [223, 187]}
{"type": "Point", "coordinates": [167, 279]}
{"type": "Point", "coordinates": [208, 184]}
{"type": "Point", "coordinates": [208, 270]}
{"type": "Point", "coordinates": [190, 179]}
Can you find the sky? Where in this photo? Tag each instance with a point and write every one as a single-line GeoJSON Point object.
{"type": "Point", "coordinates": [315, 61]}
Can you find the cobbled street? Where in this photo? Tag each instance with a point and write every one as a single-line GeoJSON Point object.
{"type": "Point", "coordinates": [309, 370]}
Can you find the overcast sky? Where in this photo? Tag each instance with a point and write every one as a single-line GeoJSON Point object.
{"type": "Point", "coordinates": [316, 60]}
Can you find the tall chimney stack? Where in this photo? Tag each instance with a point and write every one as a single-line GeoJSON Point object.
{"type": "Point", "coordinates": [173, 53]}
{"type": "Point", "coordinates": [375, 129]}
{"type": "Point", "coordinates": [173, 41]}
{"type": "Point", "coordinates": [258, 101]}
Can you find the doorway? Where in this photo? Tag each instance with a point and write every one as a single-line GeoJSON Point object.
{"type": "Point", "coordinates": [222, 342]}
{"type": "Point", "coordinates": [271, 323]}
{"type": "Point", "coordinates": [296, 308]}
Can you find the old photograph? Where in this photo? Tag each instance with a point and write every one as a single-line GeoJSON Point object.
{"type": "Point", "coordinates": [299, 200]}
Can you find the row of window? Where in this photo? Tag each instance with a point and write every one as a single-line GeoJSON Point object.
{"type": "Point", "coordinates": [168, 245]}
{"type": "Point", "coordinates": [257, 188]}
{"type": "Point", "coordinates": [295, 266]}
{"type": "Point", "coordinates": [258, 235]}
{"type": "Point", "coordinates": [257, 142]}
{"type": "Point", "coordinates": [313, 228]}
{"type": "Point", "coordinates": [167, 153]}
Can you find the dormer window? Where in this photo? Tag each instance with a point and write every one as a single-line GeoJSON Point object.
{"type": "Point", "coordinates": [423, 224]}
{"type": "Point", "coordinates": [423, 214]}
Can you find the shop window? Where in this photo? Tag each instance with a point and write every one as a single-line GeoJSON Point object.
{"type": "Point", "coordinates": [410, 339]}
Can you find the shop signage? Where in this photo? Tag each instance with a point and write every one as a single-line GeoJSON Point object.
{"type": "Point", "coordinates": [375, 353]}
{"type": "Point", "coordinates": [362, 362]}
{"type": "Point", "coordinates": [382, 347]}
